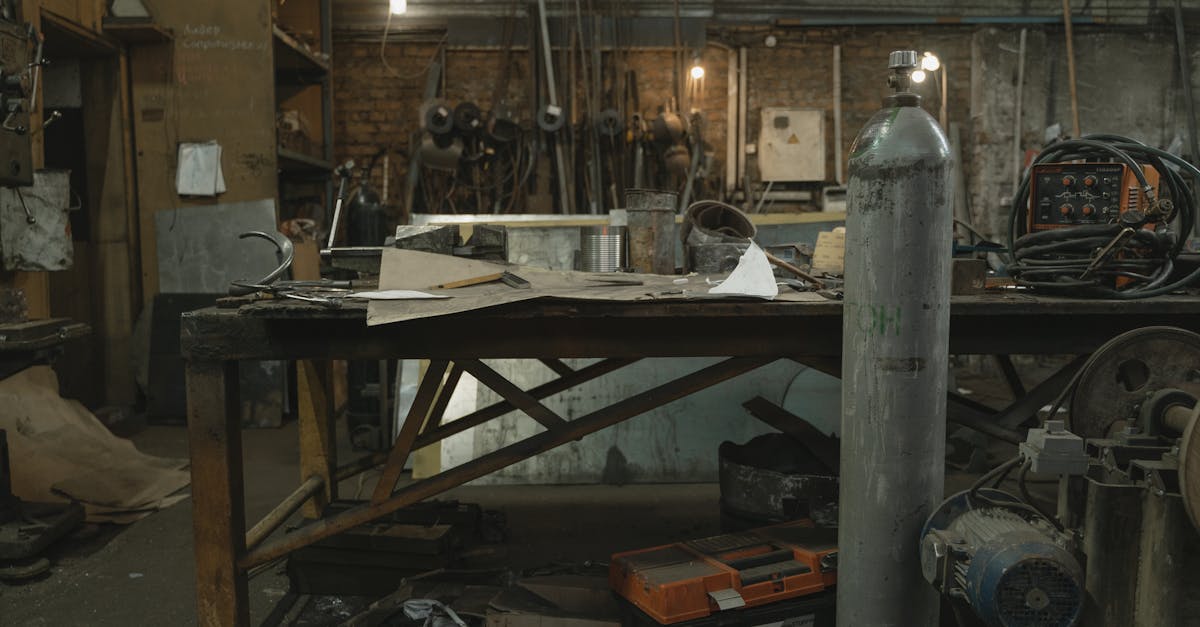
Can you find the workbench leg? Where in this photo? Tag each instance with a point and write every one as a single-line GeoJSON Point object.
{"type": "Point", "coordinates": [218, 504]}
{"type": "Point", "coordinates": [318, 435]}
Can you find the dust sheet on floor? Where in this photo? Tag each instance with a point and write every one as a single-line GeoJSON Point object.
{"type": "Point", "coordinates": [60, 451]}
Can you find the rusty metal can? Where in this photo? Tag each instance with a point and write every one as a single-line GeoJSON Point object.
{"type": "Point", "coordinates": [651, 230]}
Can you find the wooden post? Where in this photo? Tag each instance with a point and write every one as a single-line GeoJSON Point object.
{"type": "Point", "coordinates": [218, 503]}
{"type": "Point", "coordinates": [318, 441]}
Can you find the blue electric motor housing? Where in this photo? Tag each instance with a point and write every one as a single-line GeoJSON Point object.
{"type": "Point", "coordinates": [1008, 564]}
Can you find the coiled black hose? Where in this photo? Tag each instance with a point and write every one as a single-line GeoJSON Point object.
{"type": "Point", "coordinates": [1059, 259]}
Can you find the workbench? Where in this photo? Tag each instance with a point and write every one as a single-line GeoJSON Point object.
{"type": "Point", "coordinates": [749, 334]}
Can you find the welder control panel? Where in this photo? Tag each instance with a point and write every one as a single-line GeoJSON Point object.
{"type": "Point", "coordinates": [1068, 194]}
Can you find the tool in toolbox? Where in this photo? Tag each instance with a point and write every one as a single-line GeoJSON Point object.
{"type": "Point", "coordinates": [696, 579]}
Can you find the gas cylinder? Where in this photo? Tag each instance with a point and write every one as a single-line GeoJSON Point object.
{"type": "Point", "coordinates": [895, 354]}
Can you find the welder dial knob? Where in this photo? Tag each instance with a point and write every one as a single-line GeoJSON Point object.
{"type": "Point", "coordinates": [1068, 181]}
{"type": "Point", "coordinates": [1088, 210]}
{"type": "Point", "coordinates": [1066, 210]}
{"type": "Point", "coordinates": [1089, 181]}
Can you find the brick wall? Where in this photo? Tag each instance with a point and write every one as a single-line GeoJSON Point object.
{"type": "Point", "coordinates": [374, 108]}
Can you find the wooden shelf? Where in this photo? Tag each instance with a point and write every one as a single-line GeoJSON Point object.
{"type": "Point", "coordinates": [137, 31]}
{"type": "Point", "coordinates": [293, 57]}
{"type": "Point", "coordinates": [292, 162]}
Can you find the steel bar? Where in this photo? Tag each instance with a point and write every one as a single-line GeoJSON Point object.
{"type": "Point", "coordinates": [438, 412]}
{"type": "Point", "coordinates": [511, 454]}
{"type": "Point", "coordinates": [1011, 376]}
{"type": "Point", "coordinates": [513, 394]}
{"type": "Point", "coordinates": [552, 96]}
{"type": "Point", "coordinates": [551, 388]}
{"type": "Point", "coordinates": [1066, 4]}
{"type": "Point", "coordinates": [283, 511]}
{"type": "Point", "coordinates": [822, 447]}
{"type": "Point", "coordinates": [426, 394]}
{"type": "Point", "coordinates": [218, 501]}
{"type": "Point", "coordinates": [561, 369]}
{"type": "Point", "coordinates": [360, 465]}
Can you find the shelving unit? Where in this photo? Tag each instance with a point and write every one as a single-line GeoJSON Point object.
{"type": "Point", "coordinates": [303, 84]}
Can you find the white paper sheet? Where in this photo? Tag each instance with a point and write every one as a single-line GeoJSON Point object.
{"type": "Point", "coordinates": [397, 295]}
{"type": "Point", "coordinates": [752, 277]}
{"type": "Point", "coordinates": [199, 172]}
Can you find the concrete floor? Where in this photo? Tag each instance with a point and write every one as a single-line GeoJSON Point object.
{"type": "Point", "coordinates": [143, 574]}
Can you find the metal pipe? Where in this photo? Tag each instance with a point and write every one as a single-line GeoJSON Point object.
{"type": "Point", "coordinates": [743, 98]}
{"type": "Point", "coordinates": [731, 131]}
{"type": "Point", "coordinates": [283, 511]}
{"type": "Point", "coordinates": [551, 95]}
{"type": "Point", "coordinates": [837, 116]}
{"type": "Point", "coordinates": [1185, 73]}
{"type": "Point", "coordinates": [1071, 67]}
{"type": "Point", "coordinates": [895, 359]}
{"type": "Point", "coordinates": [1017, 160]}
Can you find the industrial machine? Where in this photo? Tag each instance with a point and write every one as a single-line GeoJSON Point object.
{"type": "Point", "coordinates": [1103, 215]}
{"type": "Point", "coordinates": [1127, 503]}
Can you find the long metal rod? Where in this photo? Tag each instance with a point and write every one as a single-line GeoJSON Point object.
{"type": "Point", "coordinates": [1185, 74]}
{"type": "Point", "coordinates": [564, 197]}
{"type": "Point", "coordinates": [1071, 67]}
{"type": "Point", "coordinates": [359, 466]}
{"type": "Point", "coordinates": [743, 104]}
{"type": "Point", "coordinates": [511, 454]}
{"type": "Point", "coordinates": [417, 414]}
{"type": "Point", "coordinates": [1017, 110]}
{"type": "Point", "coordinates": [731, 132]}
{"type": "Point", "coordinates": [838, 166]}
{"type": "Point", "coordinates": [283, 511]}
{"type": "Point", "coordinates": [496, 410]}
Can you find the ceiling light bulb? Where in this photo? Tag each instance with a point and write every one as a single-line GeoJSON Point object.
{"type": "Point", "coordinates": [918, 76]}
{"type": "Point", "coordinates": [697, 72]}
{"type": "Point", "coordinates": [930, 62]}
{"type": "Point", "coordinates": [399, 7]}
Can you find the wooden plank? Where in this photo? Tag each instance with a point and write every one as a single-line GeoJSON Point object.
{"type": "Point", "coordinates": [508, 391]}
{"type": "Point", "coordinates": [218, 502]}
{"type": "Point", "coordinates": [511, 454]}
{"type": "Point", "coordinates": [426, 394]}
{"type": "Point", "coordinates": [318, 439]}
{"type": "Point", "coordinates": [111, 285]}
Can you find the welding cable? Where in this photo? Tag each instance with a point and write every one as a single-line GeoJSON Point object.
{"type": "Point", "coordinates": [1064, 259]}
{"type": "Point", "coordinates": [1028, 498]}
{"type": "Point", "coordinates": [975, 495]}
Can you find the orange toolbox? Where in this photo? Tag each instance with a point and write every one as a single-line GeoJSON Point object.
{"type": "Point", "coordinates": [693, 580]}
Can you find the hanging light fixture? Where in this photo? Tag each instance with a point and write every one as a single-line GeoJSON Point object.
{"type": "Point", "coordinates": [918, 76]}
{"type": "Point", "coordinates": [930, 62]}
{"type": "Point", "coordinates": [399, 7]}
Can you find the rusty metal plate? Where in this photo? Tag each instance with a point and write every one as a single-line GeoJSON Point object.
{"type": "Point", "coordinates": [1131, 368]}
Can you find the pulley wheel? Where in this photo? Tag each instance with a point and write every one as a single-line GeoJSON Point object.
{"type": "Point", "coordinates": [550, 118]}
{"type": "Point", "coordinates": [1131, 368]}
{"type": "Point", "coordinates": [1189, 469]}
{"type": "Point", "coordinates": [468, 118]}
{"type": "Point", "coordinates": [439, 120]}
{"type": "Point", "coordinates": [609, 123]}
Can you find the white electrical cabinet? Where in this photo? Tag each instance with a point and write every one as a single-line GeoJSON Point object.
{"type": "Point", "coordinates": [791, 144]}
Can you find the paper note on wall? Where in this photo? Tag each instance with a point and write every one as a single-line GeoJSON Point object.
{"type": "Point", "coordinates": [199, 172]}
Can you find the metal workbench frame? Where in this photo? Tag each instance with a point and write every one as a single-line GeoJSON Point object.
{"type": "Point", "coordinates": [748, 334]}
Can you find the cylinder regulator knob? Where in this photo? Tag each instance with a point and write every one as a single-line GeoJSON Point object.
{"type": "Point", "coordinates": [901, 63]}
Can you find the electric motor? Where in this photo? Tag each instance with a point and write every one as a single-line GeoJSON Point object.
{"type": "Point", "coordinates": [1007, 564]}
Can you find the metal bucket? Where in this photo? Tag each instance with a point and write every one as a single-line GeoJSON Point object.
{"type": "Point", "coordinates": [603, 248]}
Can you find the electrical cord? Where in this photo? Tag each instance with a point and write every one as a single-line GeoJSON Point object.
{"type": "Point", "coordinates": [1066, 260]}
